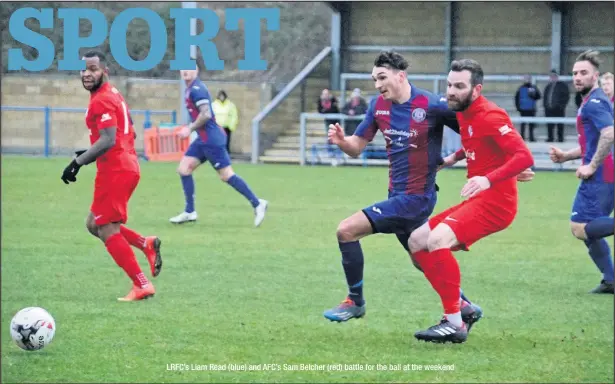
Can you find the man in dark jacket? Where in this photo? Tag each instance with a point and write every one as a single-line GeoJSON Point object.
{"type": "Point", "coordinates": [525, 101]}
{"type": "Point", "coordinates": [327, 103]}
{"type": "Point", "coordinates": [556, 97]}
{"type": "Point", "coordinates": [357, 106]}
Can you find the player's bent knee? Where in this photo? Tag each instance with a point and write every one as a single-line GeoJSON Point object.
{"type": "Point", "coordinates": [187, 165]}
{"type": "Point", "coordinates": [345, 231]}
{"type": "Point", "coordinates": [354, 228]}
{"type": "Point", "coordinates": [108, 230]}
{"type": "Point", "coordinates": [91, 226]}
{"type": "Point", "coordinates": [578, 230]}
{"type": "Point", "coordinates": [441, 237]}
{"type": "Point", "coordinates": [184, 170]}
{"type": "Point", "coordinates": [226, 173]}
{"type": "Point", "coordinates": [418, 239]}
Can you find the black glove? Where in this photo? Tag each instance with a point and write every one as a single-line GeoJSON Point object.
{"type": "Point", "coordinates": [70, 172]}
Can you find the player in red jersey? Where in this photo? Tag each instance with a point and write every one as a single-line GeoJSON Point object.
{"type": "Point", "coordinates": [496, 155]}
{"type": "Point", "coordinates": [112, 137]}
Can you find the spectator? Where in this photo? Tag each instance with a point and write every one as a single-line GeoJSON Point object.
{"type": "Point", "coordinates": [606, 82]}
{"type": "Point", "coordinates": [226, 116]}
{"type": "Point", "coordinates": [556, 98]}
{"type": "Point", "coordinates": [357, 106]}
{"type": "Point", "coordinates": [525, 101]}
{"type": "Point", "coordinates": [327, 103]}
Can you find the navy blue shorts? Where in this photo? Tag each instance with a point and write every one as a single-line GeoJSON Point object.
{"type": "Point", "coordinates": [401, 214]}
{"type": "Point", "coordinates": [215, 154]}
{"type": "Point", "coordinates": [593, 200]}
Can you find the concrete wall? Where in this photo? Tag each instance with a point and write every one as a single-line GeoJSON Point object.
{"type": "Point", "coordinates": [406, 24]}
{"type": "Point", "coordinates": [483, 24]}
{"type": "Point", "coordinates": [397, 23]}
{"type": "Point", "coordinates": [504, 24]}
{"type": "Point", "coordinates": [590, 24]}
{"type": "Point", "coordinates": [68, 130]}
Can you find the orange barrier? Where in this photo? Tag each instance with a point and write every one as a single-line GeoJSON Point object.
{"type": "Point", "coordinates": [164, 144]}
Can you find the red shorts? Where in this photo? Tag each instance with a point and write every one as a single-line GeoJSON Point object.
{"type": "Point", "coordinates": [475, 219]}
{"type": "Point", "coordinates": [111, 194]}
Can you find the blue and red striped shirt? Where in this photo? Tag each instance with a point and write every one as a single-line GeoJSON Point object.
{"type": "Point", "coordinates": [595, 114]}
{"type": "Point", "coordinates": [413, 132]}
{"type": "Point", "coordinates": [196, 95]}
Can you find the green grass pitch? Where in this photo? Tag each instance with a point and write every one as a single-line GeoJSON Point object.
{"type": "Point", "coordinates": [240, 298]}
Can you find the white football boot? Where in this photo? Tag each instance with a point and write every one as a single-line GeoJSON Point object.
{"type": "Point", "coordinates": [259, 212]}
{"type": "Point", "coordinates": [184, 217]}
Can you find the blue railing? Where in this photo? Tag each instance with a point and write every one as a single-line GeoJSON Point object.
{"type": "Point", "coordinates": [48, 110]}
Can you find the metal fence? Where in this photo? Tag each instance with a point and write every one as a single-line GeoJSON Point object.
{"type": "Point", "coordinates": [439, 80]}
{"type": "Point", "coordinates": [437, 87]}
{"type": "Point", "coordinates": [48, 118]}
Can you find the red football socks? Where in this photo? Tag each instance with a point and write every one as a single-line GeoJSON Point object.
{"type": "Point", "coordinates": [425, 261]}
{"type": "Point", "coordinates": [123, 255]}
{"type": "Point", "coordinates": [134, 239]}
{"type": "Point", "coordinates": [442, 270]}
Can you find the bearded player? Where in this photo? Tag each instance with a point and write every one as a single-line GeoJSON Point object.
{"type": "Point", "coordinates": [496, 154]}
{"type": "Point", "coordinates": [590, 220]}
{"type": "Point", "coordinates": [112, 137]}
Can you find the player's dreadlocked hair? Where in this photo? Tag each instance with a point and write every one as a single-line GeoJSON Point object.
{"type": "Point", "coordinates": [592, 56]}
{"type": "Point", "coordinates": [101, 57]}
{"type": "Point", "coordinates": [469, 65]}
{"type": "Point", "coordinates": [391, 60]}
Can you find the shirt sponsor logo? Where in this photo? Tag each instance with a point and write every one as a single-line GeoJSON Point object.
{"type": "Point", "coordinates": [505, 129]}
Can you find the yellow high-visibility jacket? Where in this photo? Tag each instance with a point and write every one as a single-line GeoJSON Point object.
{"type": "Point", "coordinates": [226, 114]}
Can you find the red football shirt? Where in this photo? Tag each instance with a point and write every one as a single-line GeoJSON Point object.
{"type": "Point", "coordinates": [108, 109]}
{"type": "Point", "coordinates": [492, 146]}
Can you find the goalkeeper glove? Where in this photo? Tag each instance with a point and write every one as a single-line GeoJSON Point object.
{"type": "Point", "coordinates": [70, 172]}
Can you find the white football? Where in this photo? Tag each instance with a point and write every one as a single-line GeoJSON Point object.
{"type": "Point", "coordinates": [32, 328]}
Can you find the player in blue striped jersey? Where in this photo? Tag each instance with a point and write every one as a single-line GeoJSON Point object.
{"type": "Point", "coordinates": [210, 145]}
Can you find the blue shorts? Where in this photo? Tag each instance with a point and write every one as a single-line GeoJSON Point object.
{"type": "Point", "coordinates": [593, 200]}
{"type": "Point", "coordinates": [401, 214]}
{"type": "Point", "coordinates": [215, 154]}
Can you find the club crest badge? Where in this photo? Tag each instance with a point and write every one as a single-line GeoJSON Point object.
{"type": "Point", "coordinates": [419, 115]}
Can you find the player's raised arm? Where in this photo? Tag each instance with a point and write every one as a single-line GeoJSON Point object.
{"type": "Point", "coordinates": [351, 145]}
{"type": "Point", "coordinates": [510, 141]}
{"type": "Point", "coordinates": [107, 129]}
{"type": "Point", "coordinates": [559, 156]}
{"type": "Point", "coordinates": [365, 132]}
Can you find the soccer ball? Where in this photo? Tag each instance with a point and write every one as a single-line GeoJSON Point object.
{"type": "Point", "coordinates": [32, 328]}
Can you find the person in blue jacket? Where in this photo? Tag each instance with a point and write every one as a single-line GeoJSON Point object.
{"type": "Point", "coordinates": [525, 100]}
